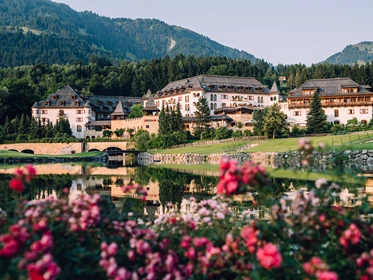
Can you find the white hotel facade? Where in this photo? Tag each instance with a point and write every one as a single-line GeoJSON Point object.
{"type": "Point", "coordinates": [341, 98]}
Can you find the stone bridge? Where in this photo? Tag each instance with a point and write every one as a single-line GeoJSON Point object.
{"type": "Point", "coordinates": [64, 148]}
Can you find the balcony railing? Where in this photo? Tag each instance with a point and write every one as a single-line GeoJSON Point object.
{"type": "Point", "coordinates": [333, 104]}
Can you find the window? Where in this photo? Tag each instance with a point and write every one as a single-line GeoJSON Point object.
{"type": "Point", "coordinates": [274, 98]}
{"type": "Point", "coordinates": [297, 113]}
{"type": "Point", "coordinates": [180, 98]}
{"type": "Point", "coordinates": [44, 112]}
{"type": "Point", "coordinates": [364, 122]}
{"type": "Point", "coordinates": [212, 106]}
{"type": "Point", "coordinates": [336, 122]}
{"type": "Point", "coordinates": [186, 98]}
{"type": "Point", "coordinates": [271, 99]}
{"type": "Point", "coordinates": [215, 97]}
{"type": "Point", "coordinates": [186, 107]}
{"type": "Point", "coordinates": [251, 97]}
{"type": "Point", "coordinates": [73, 97]}
{"type": "Point", "coordinates": [336, 113]}
{"type": "Point", "coordinates": [258, 99]}
{"type": "Point", "coordinates": [364, 111]}
{"type": "Point", "coordinates": [211, 97]}
{"type": "Point", "coordinates": [351, 111]}
{"type": "Point", "coordinates": [224, 96]}
{"type": "Point", "coordinates": [100, 103]}
{"type": "Point", "coordinates": [261, 99]}
{"type": "Point", "coordinates": [79, 128]}
{"type": "Point", "coordinates": [109, 103]}
{"type": "Point", "coordinates": [36, 111]}
{"type": "Point", "coordinates": [45, 120]}
{"type": "Point", "coordinates": [79, 119]}
{"type": "Point", "coordinates": [79, 111]}
{"type": "Point", "coordinates": [61, 112]}
{"type": "Point", "coordinates": [147, 126]}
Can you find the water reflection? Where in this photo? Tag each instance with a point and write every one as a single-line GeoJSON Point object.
{"type": "Point", "coordinates": [164, 186]}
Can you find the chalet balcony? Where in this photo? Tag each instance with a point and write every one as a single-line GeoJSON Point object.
{"type": "Point", "coordinates": [347, 104]}
{"type": "Point", "coordinates": [332, 104]}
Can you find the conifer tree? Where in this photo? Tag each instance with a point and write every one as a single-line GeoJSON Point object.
{"type": "Point", "coordinates": [22, 129]}
{"type": "Point", "coordinates": [179, 119]}
{"type": "Point", "coordinates": [203, 115]}
{"type": "Point", "coordinates": [168, 121]}
{"type": "Point", "coordinates": [7, 127]}
{"type": "Point", "coordinates": [14, 125]}
{"type": "Point", "coordinates": [33, 131]}
{"type": "Point", "coordinates": [316, 118]}
{"type": "Point", "coordinates": [162, 130]}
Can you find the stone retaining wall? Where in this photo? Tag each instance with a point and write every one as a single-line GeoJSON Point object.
{"type": "Point", "coordinates": [290, 160]}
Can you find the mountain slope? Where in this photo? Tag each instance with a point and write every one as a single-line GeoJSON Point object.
{"type": "Point", "coordinates": [360, 53]}
{"type": "Point", "coordinates": [44, 31]}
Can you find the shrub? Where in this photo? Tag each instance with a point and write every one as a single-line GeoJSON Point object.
{"type": "Point", "coordinates": [307, 237]}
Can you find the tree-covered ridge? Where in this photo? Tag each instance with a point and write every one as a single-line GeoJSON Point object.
{"type": "Point", "coordinates": [359, 53]}
{"type": "Point", "coordinates": [21, 86]}
{"type": "Point", "coordinates": [62, 35]}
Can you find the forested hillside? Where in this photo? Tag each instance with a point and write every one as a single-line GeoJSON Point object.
{"type": "Point", "coordinates": [22, 86]}
{"type": "Point", "coordinates": [359, 53]}
{"type": "Point", "coordinates": [41, 31]}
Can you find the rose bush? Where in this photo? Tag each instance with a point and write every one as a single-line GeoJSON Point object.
{"type": "Point", "coordinates": [305, 238]}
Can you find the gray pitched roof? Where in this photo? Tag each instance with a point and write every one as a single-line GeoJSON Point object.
{"type": "Point", "coordinates": [274, 88]}
{"type": "Point", "coordinates": [213, 83]}
{"type": "Point", "coordinates": [63, 98]}
{"type": "Point", "coordinates": [147, 95]}
{"type": "Point", "coordinates": [119, 111]}
{"type": "Point", "coordinates": [36, 105]}
{"type": "Point", "coordinates": [329, 87]}
{"type": "Point", "coordinates": [235, 109]}
{"type": "Point", "coordinates": [150, 105]}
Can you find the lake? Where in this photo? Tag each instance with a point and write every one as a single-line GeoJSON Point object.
{"type": "Point", "coordinates": [164, 186]}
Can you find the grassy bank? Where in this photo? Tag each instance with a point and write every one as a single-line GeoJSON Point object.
{"type": "Point", "coordinates": [275, 173]}
{"type": "Point", "coordinates": [206, 149]}
{"type": "Point", "coordinates": [338, 142]}
{"type": "Point", "coordinates": [12, 154]}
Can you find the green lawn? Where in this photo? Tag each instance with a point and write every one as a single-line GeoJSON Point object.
{"type": "Point", "coordinates": [12, 154]}
{"type": "Point", "coordinates": [207, 149]}
{"type": "Point", "coordinates": [275, 173]}
{"type": "Point", "coordinates": [334, 141]}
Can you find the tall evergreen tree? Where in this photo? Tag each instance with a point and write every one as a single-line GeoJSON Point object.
{"type": "Point", "coordinates": [275, 120]}
{"type": "Point", "coordinates": [203, 115]}
{"type": "Point", "coordinates": [14, 125]}
{"type": "Point", "coordinates": [33, 131]}
{"type": "Point", "coordinates": [7, 127]}
{"type": "Point", "coordinates": [162, 130]}
{"type": "Point", "coordinates": [22, 129]}
{"type": "Point", "coordinates": [168, 121]}
{"type": "Point", "coordinates": [316, 118]}
{"type": "Point", "coordinates": [179, 119]}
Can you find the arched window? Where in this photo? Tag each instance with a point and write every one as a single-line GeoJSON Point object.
{"type": "Point", "coordinates": [79, 128]}
{"type": "Point", "coordinates": [261, 99]}
{"type": "Point", "coordinates": [336, 113]}
{"type": "Point", "coordinates": [211, 97]}
{"type": "Point", "coordinates": [215, 97]}
{"type": "Point", "coordinates": [258, 99]}
{"type": "Point", "coordinates": [214, 106]}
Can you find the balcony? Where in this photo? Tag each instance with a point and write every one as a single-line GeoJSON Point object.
{"type": "Point", "coordinates": [333, 104]}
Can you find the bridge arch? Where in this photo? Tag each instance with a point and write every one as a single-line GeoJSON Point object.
{"type": "Point", "coordinates": [93, 150]}
{"type": "Point", "coordinates": [13, 150]}
{"type": "Point", "coordinates": [28, 151]}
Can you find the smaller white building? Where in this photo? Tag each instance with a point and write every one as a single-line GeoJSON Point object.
{"type": "Point", "coordinates": [341, 98]}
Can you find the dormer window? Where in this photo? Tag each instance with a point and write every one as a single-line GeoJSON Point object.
{"type": "Point", "coordinates": [100, 103]}
{"type": "Point", "coordinates": [54, 97]}
{"type": "Point", "coordinates": [73, 97]}
{"type": "Point", "coordinates": [109, 103]}
{"type": "Point", "coordinates": [47, 103]}
{"type": "Point", "coordinates": [62, 103]}
{"type": "Point", "coordinates": [77, 103]}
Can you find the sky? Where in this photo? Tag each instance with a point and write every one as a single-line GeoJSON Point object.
{"type": "Point", "coordinates": [287, 31]}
